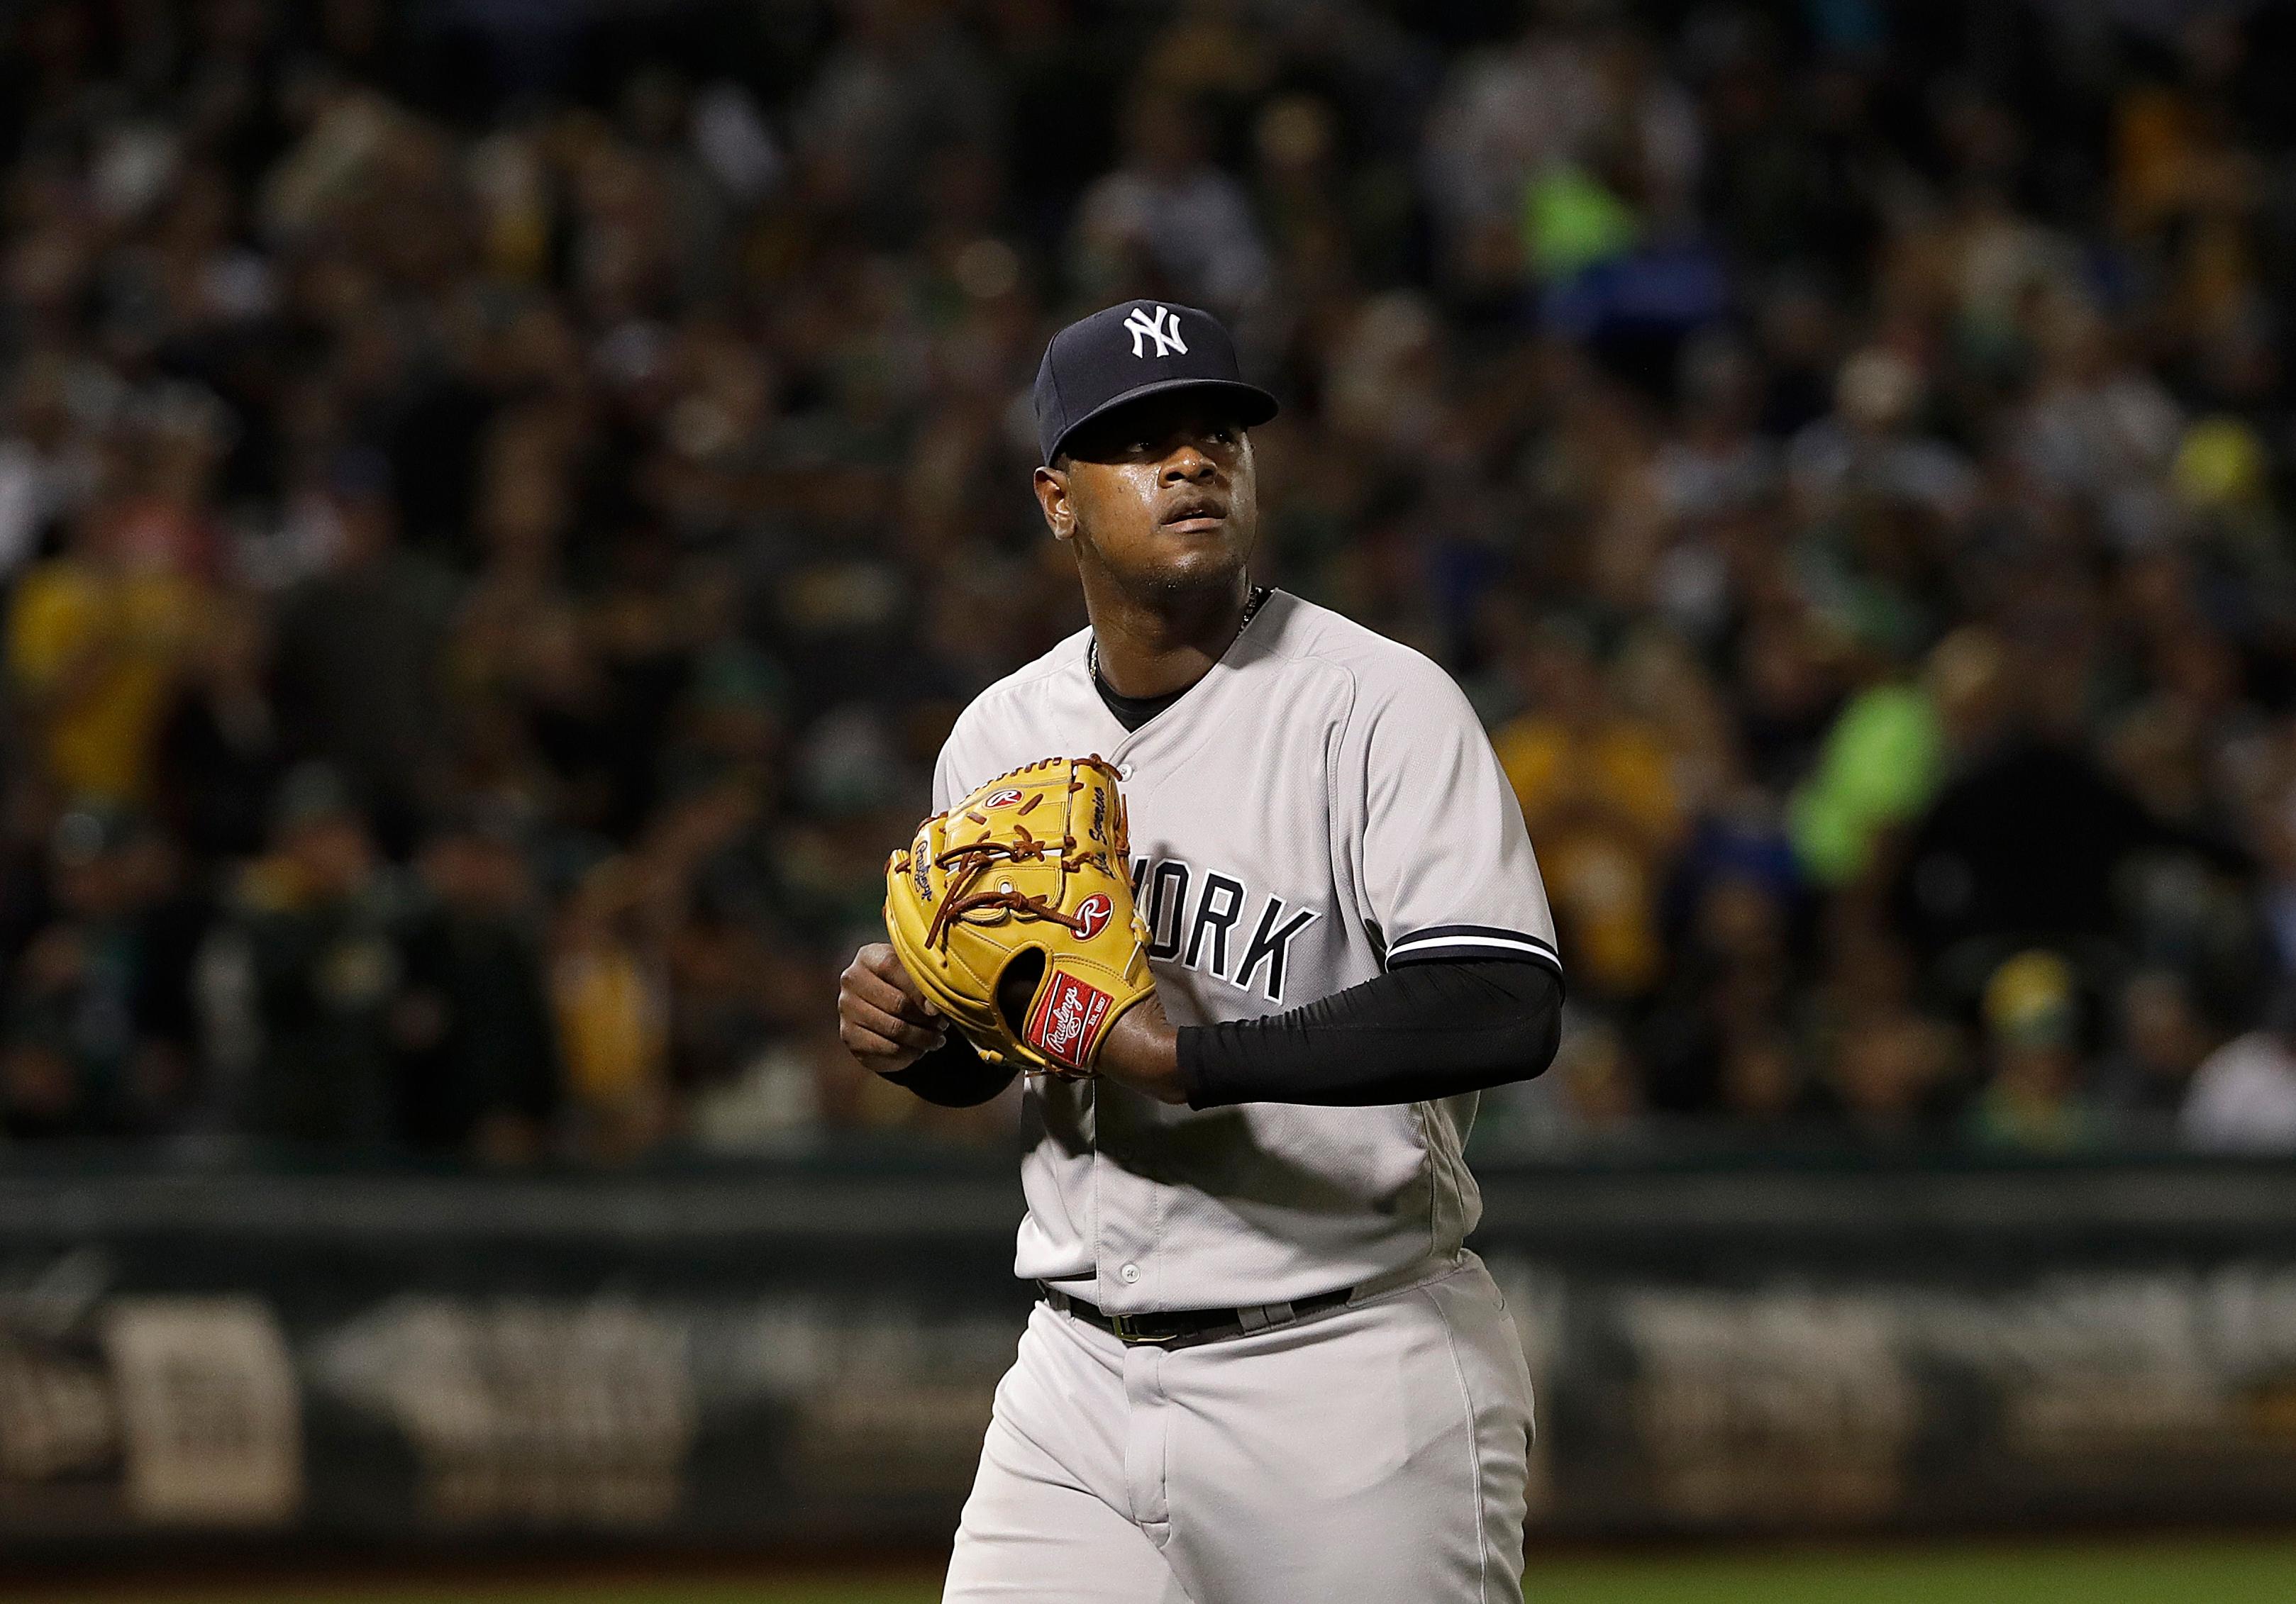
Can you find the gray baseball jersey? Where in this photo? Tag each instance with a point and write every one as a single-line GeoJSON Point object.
{"type": "Point", "coordinates": [1323, 805]}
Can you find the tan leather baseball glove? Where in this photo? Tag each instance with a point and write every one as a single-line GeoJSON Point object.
{"type": "Point", "coordinates": [1023, 888]}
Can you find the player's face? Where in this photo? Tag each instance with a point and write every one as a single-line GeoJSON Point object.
{"type": "Point", "coordinates": [1159, 493]}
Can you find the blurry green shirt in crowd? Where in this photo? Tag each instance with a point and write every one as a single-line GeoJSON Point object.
{"type": "Point", "coordinates": [1570, 220]}
{"type": "Point", "coordinates": [1881, 762]}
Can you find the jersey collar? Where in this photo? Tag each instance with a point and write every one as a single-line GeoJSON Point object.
{"type": "Point", "coordinates": [1197, 712]}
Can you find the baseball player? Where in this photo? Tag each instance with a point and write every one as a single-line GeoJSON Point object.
{"type": "Point", "coordinates": [1264, 1370]}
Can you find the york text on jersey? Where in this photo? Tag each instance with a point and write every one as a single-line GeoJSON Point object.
{"type": "Point", "coordinates": [1215, 924]}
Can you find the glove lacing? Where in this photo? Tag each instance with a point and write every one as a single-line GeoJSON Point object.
{"type": "Point", "coordinates": [965, 864]}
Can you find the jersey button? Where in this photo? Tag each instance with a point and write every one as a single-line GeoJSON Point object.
{"type": "Point", "coordinates": [1128, 1275]}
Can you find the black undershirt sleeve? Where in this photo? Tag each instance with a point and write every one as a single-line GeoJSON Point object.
{"type": "Point", "coordinates": [955, 1075]}
{"type": "Point", "coordinates": [1424, 1031]}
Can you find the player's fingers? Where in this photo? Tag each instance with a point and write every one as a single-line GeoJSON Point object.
{"type": "Point", "coordinates": [876, 1054]}
{"type": "Point", "coordinates": [884, 1024]}
{"type": "Point", "coordinates": [895, 992]}
{"type": "Point", "coordinates": [883, 962]}
{"type": "Point", "coordinates": [881, 994]}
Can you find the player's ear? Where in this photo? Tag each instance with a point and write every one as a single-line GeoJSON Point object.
{"type": "Point", "coordinates": [1052, 486]}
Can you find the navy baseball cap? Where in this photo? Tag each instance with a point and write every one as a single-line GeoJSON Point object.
{"type": "Point", "coordinates": [1132, 350]}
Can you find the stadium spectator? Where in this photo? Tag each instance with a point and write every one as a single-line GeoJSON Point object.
{"type": "Point", "coordinates": [361, 649]}
{"type": "Point", "coordinates": [477, 1070]}
{"type": "Point", "coordinates": [306, 975]}
{"type": "Point", "coordinates": [47, 464]}
{"type": "Point", "coordinates": [1168, 217]}
{"type": "Point", "coordinates": [611, 1000]}
{"type": "Point", "coordinates": [221, 748]}
{"type": "Point", "coordinates": [92, 1043]}
{"type": "Point", "coordinates": [1597, 790]}
{"type": "Point", "coordinates": [2243, 1095]}
{"type": "Point", "coordinates": [2032, 1094]}
{"type": "Point", "coordinates": [2164, 1039]}
{"type": "Point", "coordinates": [96, 637]}
{"type": "Point", "coordinates": [1891, 1080]}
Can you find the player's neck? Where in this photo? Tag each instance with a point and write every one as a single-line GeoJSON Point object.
{"type": "Point", "coordinates": [1161, 645]}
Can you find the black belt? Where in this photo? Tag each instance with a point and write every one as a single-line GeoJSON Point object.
{"type": "Point", "coordinates": [1185, 1328]}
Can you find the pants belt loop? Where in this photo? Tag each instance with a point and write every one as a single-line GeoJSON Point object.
{"type": "Point", "coordinates": [1258, 1317]}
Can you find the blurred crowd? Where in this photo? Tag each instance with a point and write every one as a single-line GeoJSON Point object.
{"type": "Point", "coordinates": [500, 503]}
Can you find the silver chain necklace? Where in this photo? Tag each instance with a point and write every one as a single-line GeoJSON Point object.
{"type": "Point", "coordinates": [1252, 604]}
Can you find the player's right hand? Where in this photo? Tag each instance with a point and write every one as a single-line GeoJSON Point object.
{"type": "Point", "coordinates": [882, 1018]}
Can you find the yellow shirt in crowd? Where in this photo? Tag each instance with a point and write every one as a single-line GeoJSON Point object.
{"type": "Point", "coordinates": [93, 656]}
{"type": "Point", "coordinates": [1602, 810]}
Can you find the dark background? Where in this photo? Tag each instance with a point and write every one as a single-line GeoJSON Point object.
{"type": "Point", "coordinates": [500, 502]}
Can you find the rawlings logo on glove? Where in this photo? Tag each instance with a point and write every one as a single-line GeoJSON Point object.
{"type": "Point", "coordinates": [1068, 1022]}
{"type": "Point", "coordinates": [1013, 913]}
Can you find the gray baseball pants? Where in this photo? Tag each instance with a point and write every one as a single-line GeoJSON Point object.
{"type": "Point", "coordinates": [1377, 1452]}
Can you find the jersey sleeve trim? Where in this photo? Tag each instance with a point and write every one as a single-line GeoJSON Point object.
{"type": "Point", "coordinates": [1448, 944]}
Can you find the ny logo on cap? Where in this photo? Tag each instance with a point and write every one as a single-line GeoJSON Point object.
{"type": "Point", "coordinates": [1164, 329]}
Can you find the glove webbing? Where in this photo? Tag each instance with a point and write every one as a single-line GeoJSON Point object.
{"type": "Point", "coordinates": [966, 865]}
